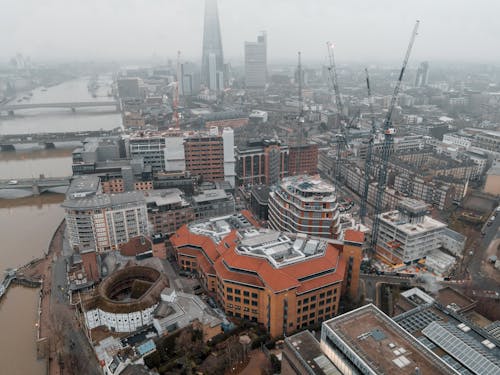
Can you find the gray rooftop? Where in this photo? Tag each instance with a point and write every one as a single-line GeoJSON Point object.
{"type": "Point", "coordinates": [211, 195]}
{"type": "Point", "coordinates": [105, 200]}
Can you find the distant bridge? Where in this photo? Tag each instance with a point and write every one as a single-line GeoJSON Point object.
{"type": "Point", "coordinates": [11, 108]}
{"type": "Point", "coordinates": [49, 140]}
{"type": "Point", "coordinates": [36, 185]}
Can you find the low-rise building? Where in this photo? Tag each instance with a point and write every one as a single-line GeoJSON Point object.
{"type": "Point", "coordinates": [407, 234]}
{"type": "Point", "coordinates": [211, 203]}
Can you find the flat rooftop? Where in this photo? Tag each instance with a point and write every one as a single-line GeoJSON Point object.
{"type": "Point", "coordinates": [304, 345]}
{"type": "Point", "coordinates": [211, 195]}
{"type": "Point", "coordinates": [163, 197]}
{"type": "Point", "coordinates": [105, 200]}
{"type": "Point", "coordinates": [312, 184]}
{"type": "Point", "coordinates": [280, 249]}
{"type": "Point", "coordinates": [382, 344]}
{"type": "Point", "coordinates": [395, 219]}
{"type": "Point", "coordinates": [218, 227]}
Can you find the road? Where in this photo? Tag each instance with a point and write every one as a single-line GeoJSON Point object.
{"type": "Point", "coordinates": [370, 285]}
{"type": "Point", "coordinates": [483, 276]}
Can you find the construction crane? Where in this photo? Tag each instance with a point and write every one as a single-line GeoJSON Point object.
{"type": "Point", "coordinates": [389, 132]}
{"type": "Point", "coordinates": [300, 118]}
{"type": "Point", "coordinates": [368, 160]}
{"type": "Point", "coordinates": [342, 135]}
{"type": "Point", "coordinates": [176, 92]}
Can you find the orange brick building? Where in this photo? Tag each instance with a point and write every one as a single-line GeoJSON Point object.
{"type": "Point", "coordinates": [204, 155]}
{"type": "Point", "coordinates": [282, 281]}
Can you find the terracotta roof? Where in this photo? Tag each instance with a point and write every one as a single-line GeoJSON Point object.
{"type": "Point", "coordinates": [224, 255]}
{"type": "Point", "coordinates": [354, 236]}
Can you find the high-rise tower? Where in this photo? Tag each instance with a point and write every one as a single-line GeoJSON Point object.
{"type": "Point", "coordinates": [212, 64]}
{"type": "Point", "coordinates": [256, 62]}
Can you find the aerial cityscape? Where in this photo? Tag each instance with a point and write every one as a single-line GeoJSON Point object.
{"type": "Point", "coordinates": [234, 187]}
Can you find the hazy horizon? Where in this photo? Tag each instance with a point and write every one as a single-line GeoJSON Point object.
{"type": "Point", "coordinates": [450, 31]}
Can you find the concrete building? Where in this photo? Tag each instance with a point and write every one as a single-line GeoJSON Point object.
{"type": "Point", "coordinates": [447, 325]}
{"type": "Point", "coordinates": [492, 185]}
{"type": "Point", "coordinates": [259, 201]}
{"type": "Point", "coordinates": [422, 77]}
{"type": "Point", "coordinates": [367, 341]}
{"type": "Point", "coordinates": [407, 234]}
{"type": "Point", "coordinates": [280, 280]}
{"type": "Point", "coordinates": [174, 152]}
{"type": "Point", "coordinates": [178, 310]}
{"type": "Point", "coordinates": [256, 63]}
{"type": "Point", "coordinates": [456, 140]}
{"type": "Point", "coordinates": [453, 242]}
{"type": "Point", "coordinates": [212, 62]}
{"type": "Point", "coordinates": [129, 88]}
{"type": "Point", "coordinates": [303, 160]}
{"type": "Point", "coordinates": [105, 221]}
{"type": "Point", "coordinates": [211, 203]}
{"type": "Point", "coordinates": [302, 355]}
{"type": "Point", "coordinates": [168, 210]}
{"type": "Point", "coordinates": [224, 119]}
{"type": "Point", "coordinates": [261, 162]}
{"type": "Point", "coordinates": [229, 159]}
{"type": "Point", "coordinates": [304, 204]}
{"type": "Point", "coordinates": [150, 147]}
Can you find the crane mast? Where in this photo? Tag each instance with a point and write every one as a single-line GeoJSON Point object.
{"type": "Point", "coordinates": [389, 132]}
{"type": "Point", "coordinates": [341, 136]}
{"type": "Point", "coordinates": [368, 160]}
{"type": "Point", "coordinates": [176, 93]}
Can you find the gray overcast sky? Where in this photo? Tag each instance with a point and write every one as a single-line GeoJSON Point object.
{"type": "Point", "coordinates": [450, 30]}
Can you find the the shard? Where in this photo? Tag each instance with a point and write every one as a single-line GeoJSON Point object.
{"type": "Point", "coordinates": [212, 64]}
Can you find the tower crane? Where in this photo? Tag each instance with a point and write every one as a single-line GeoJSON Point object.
{"type": "Point", "coordinates": [341, 136]}
{"type": "Point", "coordinates": [176, 92]}
{"type": "Point", "coordinates": [368, 160]}
{"type": "Point", "coordinates": [389, 132]}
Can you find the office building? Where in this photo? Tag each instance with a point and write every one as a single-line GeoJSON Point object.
{"type": "Point", "coordinates": [168, 210]}
{"type": "Point", "coordinates": [303, 159]}
{"type": "Point", "coordinates": [261, 162]}
{"type": "Point", "coordinates": [422, 78]}
{"type": "Point", "coordinates": [105, 221]}
{"type": "Point", "coordinates": [212, 63]}
{"type": "Point", "coordinates": [129, 88]}
{"type": "Point", "coordinates": [304, 204]}
{"type": "Point", "coordinates": [211, 203]}
{"type": "Point", "coordinates": [407, 234]}
{"type": "Point", "coordinates": [150, 147]}
{"type": "Point", "coordinates": [447, 325]}
{"type": "Point", "coordinates": [224, 119]}
{"type": "Point", "coordinates": [204, 155]}
{"type": "Point", "coordinates": [229, 159]}
{"type": "Point", "coordinates": [256, 63]}
{"type": "Point", "coordinates": [281, 280]}
{"type": "Point", "coordinates": [259, 201]}
{"type": "Point", "coordinates": [367, 341]}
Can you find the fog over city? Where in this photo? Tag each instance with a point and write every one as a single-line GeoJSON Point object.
{"type": "Point", "coordinates": [451, 30]}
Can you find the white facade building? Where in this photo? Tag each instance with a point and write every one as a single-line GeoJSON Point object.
{"type": "Point", "coordinates": [454, 139]}
{"type": "Point", "coordinates": [127, 322]}
{"type": "Point", "coordinates": [229, 158]}
{"type": "Point", "coordinates": [407, 234]}
{"type": "Point", "coordinates": [105, 221]}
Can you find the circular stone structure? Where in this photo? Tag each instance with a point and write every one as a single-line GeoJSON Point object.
{"type": "Point", "coordinates": [126, 300]}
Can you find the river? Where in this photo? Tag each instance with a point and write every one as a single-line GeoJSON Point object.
{"type": "Point", "coordinates": [27, 224]}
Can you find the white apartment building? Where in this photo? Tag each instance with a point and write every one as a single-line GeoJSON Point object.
{"type": "Point", "coordinates": [454, 139]}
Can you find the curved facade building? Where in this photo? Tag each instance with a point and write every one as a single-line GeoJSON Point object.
{"type": "Point", "coordinates": [304, 204]}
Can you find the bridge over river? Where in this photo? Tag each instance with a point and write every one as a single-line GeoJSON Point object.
{"type": "Point", "coordinates": [8, 142]}
{"type": "Point", "coordinates": [36, 185]}
{"type": "Point", "coordinates": [11, 108]}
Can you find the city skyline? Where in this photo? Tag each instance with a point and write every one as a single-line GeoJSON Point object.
{"type": "Point", "coordinates": [132, 31]}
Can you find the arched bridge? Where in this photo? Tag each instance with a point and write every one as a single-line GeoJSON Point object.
{"type": "Point", "coordinates": [36, 185]}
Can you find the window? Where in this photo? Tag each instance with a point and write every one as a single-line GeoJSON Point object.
{"type": "Point", "coordinates": [237, 299]}
{"type": "Point", "coordinates": [237, 291]}
{"type": "Point", "coordinates": [329, 293]}
{"type": "Point", "coordinates": [298, 311]}
{"type": "Point", "coordinates": [254, 303]}
{"type": "Point", "coordinates": [254, 295]}
{"type": "Point", "coordinates": [328, 300]}
{"type": "Point", "coordinates": [229, 298]}
{"type": "Point", "coordinates": [312, 315]}
{"type": "Point", "coordinates": [229, 290]}
{"type": "Point", "coordinates": [246, 301]}
{"type": "Point", "coordinates": [322, 295]}
{"type": "Point", "coordinates": [313, 298]}
{"type": "Point", "coordinates": [246, 293]}
{"type": "Point", "coordinates": [306, 300]}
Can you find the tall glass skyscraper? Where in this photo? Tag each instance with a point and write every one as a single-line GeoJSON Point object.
{"type": "Point", "coordinates": [256, 62]}
{"type": "Point", "coordinates": [212, 63]}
